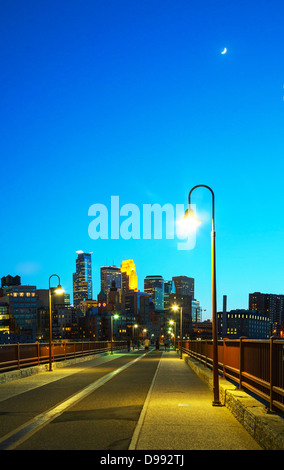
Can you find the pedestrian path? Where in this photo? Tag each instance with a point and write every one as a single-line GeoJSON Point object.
{"type": "Point", "coordinates": [178, 414]}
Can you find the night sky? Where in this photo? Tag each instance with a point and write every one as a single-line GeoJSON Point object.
{"type": "Point", "coordinates": [134, 99]}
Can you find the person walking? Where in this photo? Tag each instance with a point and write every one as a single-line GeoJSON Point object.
{"type": "Point", "coordinates": [147, 344]}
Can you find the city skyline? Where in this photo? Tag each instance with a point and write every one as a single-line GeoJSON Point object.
{"type": "Point", "coordinates": [138, 101]}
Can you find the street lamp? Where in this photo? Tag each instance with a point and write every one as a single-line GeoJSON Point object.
{"type": "Point", "coordinates": [190, 216]}
{"type": "Point", "coordinates": [175, 308]}
{"type": "Point", "coordinates": [172, 322]}
{"type": "Point", "coordinates": [57, 291]}
{"type": "Point", "coordinates": [115, 316]}
{"type": "Point", "coordinates": [133, 326]}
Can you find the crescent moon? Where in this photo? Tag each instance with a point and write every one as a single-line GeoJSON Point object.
{"type": "Point", "coordinates": [224, 51]}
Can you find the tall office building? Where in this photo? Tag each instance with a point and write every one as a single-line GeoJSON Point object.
{"type": "Point", "coordinates": [271, 305]}
{"type": "Point", "coordinates": [22, 302]}
{"type": "Point", "coordinates": [196, 311]}
{"type": "Point", "coordinates": [129, 276]}
{"type": "Point", "coordinates": [154, 286]}
{"type": "Point", "coordinates": [168, 289]}
{"type": "Point", "coordinates": [82, 278]}
{"type": "Point", "coordinates": [184, 285]}
{"type": "Point", "coordinates": [109, 276]}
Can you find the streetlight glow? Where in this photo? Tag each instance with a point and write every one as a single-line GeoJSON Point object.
{"type": "Point", "coordinates": [59, 290]}
{"type": "Point", "coordinates": [188, 223]}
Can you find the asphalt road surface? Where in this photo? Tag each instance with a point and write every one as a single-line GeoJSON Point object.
{"type": "Point", "coordinates": [96, 407]}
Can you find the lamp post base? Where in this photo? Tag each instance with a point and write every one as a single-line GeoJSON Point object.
{"type": "Point", "coordinates": [216, 403]}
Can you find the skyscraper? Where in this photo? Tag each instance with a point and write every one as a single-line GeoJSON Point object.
{"type": "Point", "coordinates": [154, 286]}
{"type": "Point", "coordinates": [168, 289]}
{"type": "Point", "coordinates": [110, 274]}
{"type": "Point", "coordinates": [184, 285]}
{"type": "Point", "coordinates": [82, 278]}
{"type": "Point", "coordinates": [271, 305]}
{"type": "Point", "coordinates": [129, 276]}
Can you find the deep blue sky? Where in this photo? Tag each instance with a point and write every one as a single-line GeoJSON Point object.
{"type": "Point", "coordinates": [134, 98]}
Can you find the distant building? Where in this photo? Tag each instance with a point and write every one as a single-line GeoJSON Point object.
{"type": "Point", "coordinates": [8, 281]}
{"type": "Point", "coordinates": [202, 330]}
{"type": "Point", "coordinates": [4, 318]}
{"type": "Point", "coordinates": [154, 286]}
{"type": "Point", "coordinates": [184, 285]}
{"type": "Point", "coordinates": [22, 302]}
{"type": "Point", "coordinates": [114, 299]}
{"type": "Point", "coordinates": [168, 289]}
{"type": "Point", "coordinates": [271, 305]}
{"type": "Point", "coordinates": [184, 301]}
{"type": "Point", "coordinates": [137, 304]}
{"type": "Point", "coordinates": [110, 274]}
{"type": "Point", "coordinates": [87, 305]}
{"type": "Point", "coordinates": [129, 276]}
{"type": "Point", "coordinates": [249, 323]}
{"type": "Point", "coordinates": [82, 278]}
{"type": "Point", "coordinates": [196, 311]}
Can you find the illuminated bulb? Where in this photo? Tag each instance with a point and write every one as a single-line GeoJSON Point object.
{"type": "Point", "coordinates": [188, 223]}
{"type": "Point", "coordinates": [175, 307]}
{"type": "Point", "coordinates": [59, 290]}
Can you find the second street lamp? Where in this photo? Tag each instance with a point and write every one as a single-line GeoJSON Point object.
{"type": "Point", "coordinates": [111, 331]}
{"type": "Point", "coordinates": [172, 322]}
{"type": "Point", "coordinates": [175, 308]}
{"type": "Point", "coordinates": [189, 214]}
{"type": "Point", "coordinates": [57, 290]}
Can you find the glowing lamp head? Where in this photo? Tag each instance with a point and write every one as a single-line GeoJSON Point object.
{"type": "Point", "coordinates": [175, 308]}
{"type": "Point", "coordinates": [188, 223]}
{"type": "Point", "coordinates": [59, 290]}
{"type": "Point", "coordinates": [116, 316]}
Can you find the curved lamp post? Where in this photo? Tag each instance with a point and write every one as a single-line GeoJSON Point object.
{"type": "Point", "coordinates": [57, 290]}
{"type": "Point", "coordinates": [216, 401]}
{"type": "Point", "coordinates": [173, 322]}
{"type": "Point", "coordinates": [175, 308]}
{"type": "Point", "coordinates": [115, 316]}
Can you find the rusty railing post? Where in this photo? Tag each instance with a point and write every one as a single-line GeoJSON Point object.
{"type": "Point", "coordinates": [272, 375]}
{"type": "Point", "coordinates": [241, 363]}
{"type": "Point", "coordinates": [18, 355]}
{"type": "Point", "coordinates": [224, 357]}
{"type": "Point", "coordinates": [38, 361]}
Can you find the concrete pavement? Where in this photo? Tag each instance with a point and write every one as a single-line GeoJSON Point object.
{"type": "Point", "coordinates": [178, 414]}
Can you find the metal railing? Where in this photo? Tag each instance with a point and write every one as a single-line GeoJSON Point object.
{"type": "Point", "coordinates": [255, 365]}
{"type": "Point", "coordinates": [21, 355]}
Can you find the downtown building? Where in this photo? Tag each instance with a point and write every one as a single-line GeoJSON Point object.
{"type": "Point", "coordinates": [250, 324]}
{"type": "Point", "coordinates": [19, 309]}
{"type": "Point", "coordinates": [185, 302]}
{"type": "Point", "coordinates": [82, 279]}
{"type": "Point", "coordinates": [128, 276]}
{"type": "Point", "coordinates": [154, 286]}
{"type": "Point", "coordinates": [271, 306]}
{"type": "Point", "coordinates": [184, 285]}
{"type": "Point", "coordinates": [111, 277]}
{"type": "Point", "coordinates": [168, 289]}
